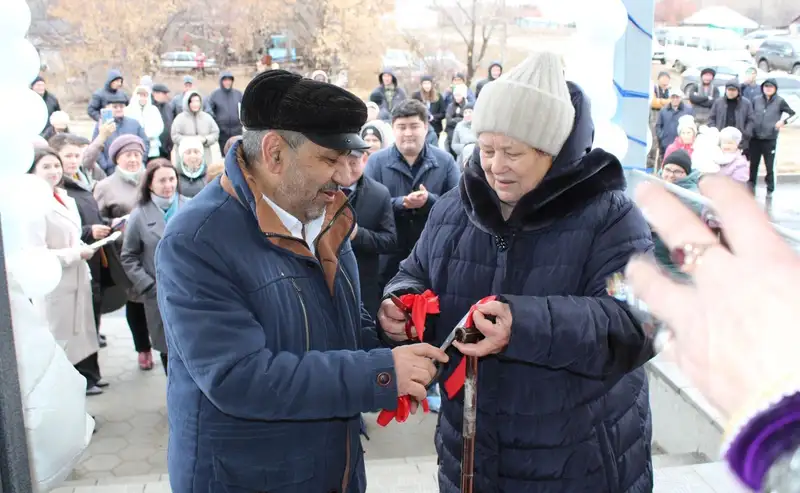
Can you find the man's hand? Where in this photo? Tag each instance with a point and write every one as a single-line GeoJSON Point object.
{"type": "Point", "coordinates": [100, 231]}
{"type": "Point", "coordinates": [393, 321]}
{"type": "Point", "coordinates": [417, 199]}
{"type": "Point", "coordinates": [414, 369]}
{"type": "Point", "coordinates": [496, 334]}
{"type": "Point", "coordinates": [354, 233]}
{"type": "Point", "coordinates": [780, 124]}
{"type": "Point", "coordinates": [106, 130]}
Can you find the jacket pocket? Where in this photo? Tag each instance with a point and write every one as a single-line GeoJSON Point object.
{"type": "Point", "coordinates": [608, 456]}
{"type": "Point", "coordinates": [285, 475]}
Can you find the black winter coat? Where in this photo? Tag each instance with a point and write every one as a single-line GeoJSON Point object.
{"type": "Point", "coordinates": [376, 236]}
{"type": "Point", "coordinates": [437, 109]}
{"type": "Point", "coordinates": [564, 407]}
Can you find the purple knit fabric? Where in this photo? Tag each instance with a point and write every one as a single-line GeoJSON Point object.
{"type": "Point", "coordinates": [765, 438]}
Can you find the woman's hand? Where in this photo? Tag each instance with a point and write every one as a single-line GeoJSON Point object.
{"type": "Point", "coordinates": [100, 231]}
{"type": "Point", "coordinates": [735, 330]}
{"type": "Point", "coordinates": [86, 252]}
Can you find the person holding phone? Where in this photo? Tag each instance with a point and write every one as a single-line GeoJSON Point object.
{"type": "Point", "coordinates": [115, 112]}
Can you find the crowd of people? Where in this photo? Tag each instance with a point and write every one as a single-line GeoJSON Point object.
{"type": "Point", "coordinates": [738, 128]}
{"type": "Point", "coordinates": [265, 235]}
{"type": "Point", "coordinates": [112, 182]}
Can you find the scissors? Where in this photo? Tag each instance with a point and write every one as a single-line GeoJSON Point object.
{"type": "Point", "coordinates": [460, 333]}
{"type": "Point", "coordinates": [406, 314]}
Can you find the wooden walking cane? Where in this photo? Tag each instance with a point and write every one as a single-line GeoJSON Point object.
{"type": "Point", "coordinates": [466, 376]}
{"type": "Point", "coordinates": [469, 335]}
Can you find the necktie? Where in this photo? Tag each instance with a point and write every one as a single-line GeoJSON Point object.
{"type": "Point", "coordinates": [347, 192]}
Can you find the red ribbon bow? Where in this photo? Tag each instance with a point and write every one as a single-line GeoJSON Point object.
{"type": "Point", "coordinates": [420, 305]}
{"type": "Point", "coordinates": [455, 382]}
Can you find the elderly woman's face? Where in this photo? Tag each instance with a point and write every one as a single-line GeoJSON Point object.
{"type": "Point", "coordinates": [130, 161]}
{"type": "Point", "coordinates": [143, 97]}
{"type": "Point", "coordinates": [192, 158]}
{"type": "Point", "coordinates": [687, 136]}
{"type": "Point", "coordinates": [512, 168]}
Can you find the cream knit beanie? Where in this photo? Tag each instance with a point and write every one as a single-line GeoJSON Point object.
{"type": "Point", "coordinates": [530, 103]}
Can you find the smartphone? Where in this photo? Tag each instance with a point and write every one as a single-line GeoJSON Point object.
{"type": "Point", "coordinates": [119, 225]}
{"type": "Point", "coordinates": [106, 115]}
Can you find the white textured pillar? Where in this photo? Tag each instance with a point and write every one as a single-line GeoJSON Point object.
{"type": "Point", "coordinates": [632, 73]}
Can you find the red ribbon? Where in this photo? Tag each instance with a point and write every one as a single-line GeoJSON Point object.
{"type": "Point", "coordinates": [420, 305]}
{"type": "Point", "coordinates": [401, 413]}
{"type": "Point", "coordinates": [455, 382]}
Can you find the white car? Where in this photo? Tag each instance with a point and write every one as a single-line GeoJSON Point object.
{"type": "Point", "coordinates": [658, 52]}
{"type": "Point", "coordinates": [184, 62]}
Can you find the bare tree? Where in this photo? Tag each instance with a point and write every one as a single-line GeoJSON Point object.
{"type": "Point", "coordinates": [347, 34]}
{"type": "Point", "coordinates": [673, 12]}
{"type": "Point", "coordinates": [475, 22]}
{"type": "Point", "coordinates": [125, 35]}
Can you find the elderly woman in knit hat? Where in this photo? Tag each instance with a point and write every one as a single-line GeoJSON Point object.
{"type": "Point", "coordinates": [540, 222]}
{"type": "Point", "coordinates": [191, 165]}
{"type": "Point", "coordinates": [116, 197]}
{"type": "Point", "coordinates": [687, 133]}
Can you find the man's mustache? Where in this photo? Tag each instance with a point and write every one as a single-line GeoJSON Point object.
{"type": "Point", "coordinates": [330, 187]}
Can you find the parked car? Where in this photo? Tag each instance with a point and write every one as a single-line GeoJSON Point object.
{"type": "Point", "coordinates": [185, 62]}
{"type": "Point", "coordinates": [686, 47]}
{"type": "Point", "coordinates": [779, 53]}
{"type": "Point", "coordinates": [658, 52]}
{"type": "Point", "coordinates": [754, 39]}
{"type": "Point", "coordinates": [725, 72]}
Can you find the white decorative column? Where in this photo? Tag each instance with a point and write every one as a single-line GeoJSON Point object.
{"type": "Point", "coordinates": [610, 61]}
{"type": "Point", "coordinates": [632, 76]}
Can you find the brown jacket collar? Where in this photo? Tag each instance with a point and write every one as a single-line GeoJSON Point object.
{"type": "Point", "coordinates": [339, 221]}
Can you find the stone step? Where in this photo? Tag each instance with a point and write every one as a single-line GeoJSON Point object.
{"type": "Point", "coordinates": [675, 473]}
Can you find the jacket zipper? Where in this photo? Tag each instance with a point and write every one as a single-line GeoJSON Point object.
{"type": "Point", "coordinates": [349, 283]}
{"type": "Point", "coordinates": [305, 313]}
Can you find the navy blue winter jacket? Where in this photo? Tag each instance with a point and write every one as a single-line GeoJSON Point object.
{"type": "Point", "coordinates": [564, 407]}
{"type": "Point", "coordinates": [271, 359]}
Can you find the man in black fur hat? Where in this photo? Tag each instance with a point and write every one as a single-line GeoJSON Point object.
{"type": "Point", "coordinates": [271, 359]}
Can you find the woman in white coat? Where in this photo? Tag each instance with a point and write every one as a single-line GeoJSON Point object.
{"type": "Point", "coordinates": [141, 109]}
{"type": "Point", "coordinates": [68, 307]}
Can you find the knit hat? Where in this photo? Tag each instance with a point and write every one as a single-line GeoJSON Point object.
{"type": "Point", "coordinates": [680, 158]}
{"type": "Point", "coordinates": [530, 103]}
{"type": "Point", "coordinates": [187, 143]}
{"type": "Point", "coordinates": [125, 143]}
{"type": "Point", "coordinates": [730, 134]}
{"type": "Point", "coordinates": [59, 119]}
{"type": "Point", "coordinates": [371, 129]}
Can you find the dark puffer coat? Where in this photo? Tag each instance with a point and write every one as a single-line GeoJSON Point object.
{"type": "Point", "coordinates": [564, 408]}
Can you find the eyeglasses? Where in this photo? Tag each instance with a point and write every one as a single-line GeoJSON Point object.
{"type": "Point", "coordinates": [673, 171]}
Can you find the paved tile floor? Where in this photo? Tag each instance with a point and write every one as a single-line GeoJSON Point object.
{"type": "Point", "coordinates": [131, 438]}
